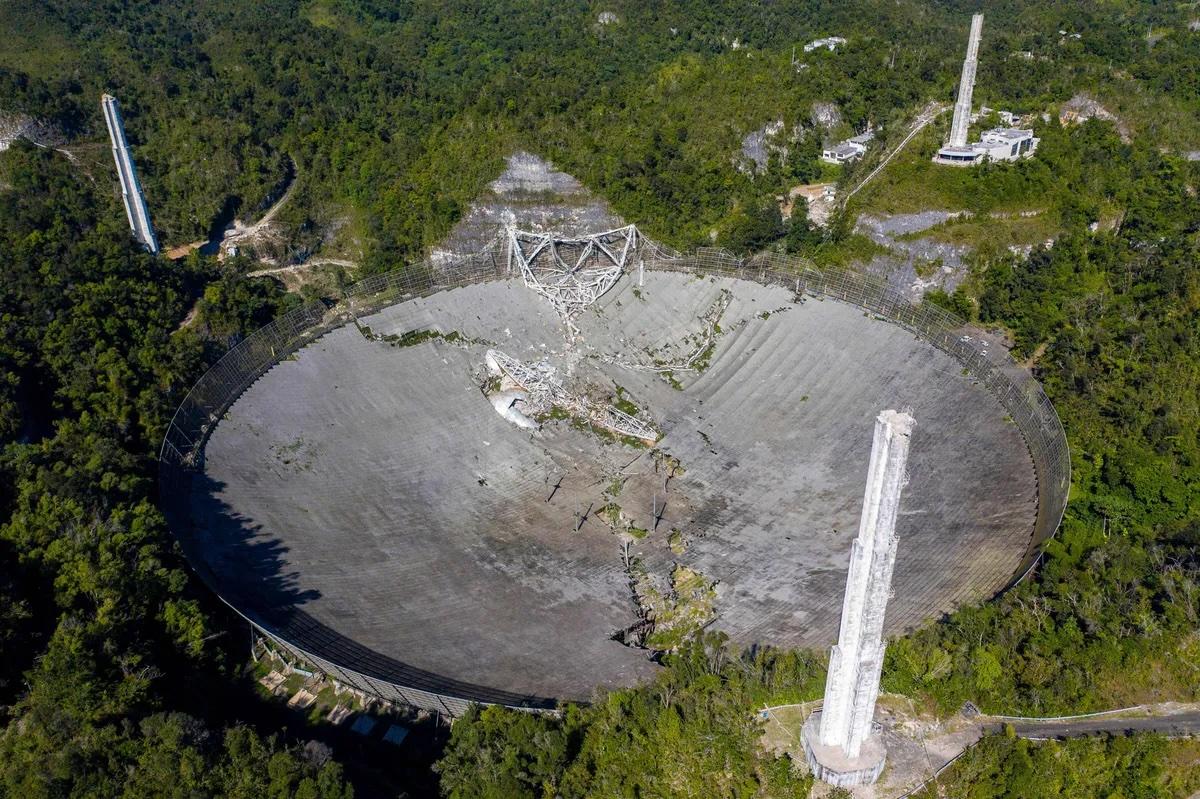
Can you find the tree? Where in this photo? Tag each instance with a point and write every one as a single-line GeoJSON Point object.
{"type": "Point", "coordinates": [688, 733]}
{"type": "Point", "coordinates": [958, 303]}
{"type": "Point", "coordinates": [802, 236]}
{"type": "Point", "coordinates": [753, 228]}
{"type": "Point", "coordinates": [804, 158]}
{"type": "Point", "coordinates": [95, 607]}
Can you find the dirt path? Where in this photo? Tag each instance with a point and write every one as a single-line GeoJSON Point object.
{"type": "Point", "coordinates": [241, 231]}
{"type": "Point", "coordinates": [296, 268]}
{"type": "Point", "coordinates": [287, 195]}
{"type": "Point", "coordinates": [190, 319]}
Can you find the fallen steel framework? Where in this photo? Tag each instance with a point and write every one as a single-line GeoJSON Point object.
{"type": "Point", "coordinates": [545, 390]}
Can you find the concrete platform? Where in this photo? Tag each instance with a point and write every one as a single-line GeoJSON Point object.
{"type": "Point", "coordinates": [830, 765]}
{"type": "Point", "coordinates": [373, 488]}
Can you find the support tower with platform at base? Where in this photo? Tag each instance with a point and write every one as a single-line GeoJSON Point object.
{"type": "Point", "coordinates": [997, 144]}
{"type": "Point", "coordinates": [840, 742]}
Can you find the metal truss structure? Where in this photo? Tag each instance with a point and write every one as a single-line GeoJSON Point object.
{"type": "Point", "coordinates": [571, 273]}
{"type": "Point", "coordinates": [545, 390]}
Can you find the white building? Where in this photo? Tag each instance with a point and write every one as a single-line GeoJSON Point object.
{"type": "Point", "coordinates": [842, 153]}
{"type": "Point", "coordinates": [1006, 144]}
{"type": "Point", "coordinates": [829, 43]}
{"type": "Point", "coordinates": [997, 144]}
{"type": "Point", "coordinates": [848, 150]}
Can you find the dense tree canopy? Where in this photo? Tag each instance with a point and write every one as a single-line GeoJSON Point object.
{"type": "Point", "coordinates": [397, 116]}
{"type": "Point", "coordinates": [97, 610]}
{"type": "Point", "coordinates": [691, 733]}
{"type": "Point", "coordinates": [1004, 767]}
{"type": "Point", "coordinates": [1114, 319]}
{"type": "Point", "coordinates": [114, 676]}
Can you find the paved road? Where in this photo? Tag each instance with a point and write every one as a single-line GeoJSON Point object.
{"type": "Point", "coordinates": [1176, 726]}
{"type": "Point", "coordinates": [1174, 723]}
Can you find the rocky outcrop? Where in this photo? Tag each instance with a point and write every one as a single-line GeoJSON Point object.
{"type": "Point", "coordinates": [1082, 107]}
{"type": "Point", "coordinates": [15, 126]}
{"type": "Point", "coordinates": [536, 197]}
{"type": "Point", "coordinates": [825, 115]}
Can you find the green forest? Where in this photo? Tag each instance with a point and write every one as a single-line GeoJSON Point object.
{"type": "Point", "coordinates": [122, 676]}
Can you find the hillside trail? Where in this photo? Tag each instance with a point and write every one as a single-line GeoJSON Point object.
{"type": "Point", "coordinates": [931, 112]}
{"type": "Point", "coordinates": [292, 269]}
{"type": "Point", "coordinates": [240, 230]}
{"type": "Point", "coordinates": [237, 231]}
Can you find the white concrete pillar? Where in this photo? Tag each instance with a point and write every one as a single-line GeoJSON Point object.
{"type": "Point", "coordinates": [966, 86]}
{"type": "Point", "coordinates": [855, 663]}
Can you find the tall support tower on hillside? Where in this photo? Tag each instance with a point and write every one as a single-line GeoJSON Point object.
{"type": "Point", "coordinates": [131, 189]}
{"type": "Point", "coordinates": [956, 150]}
{"type": "Point", "coordinates": [966, 86]}
{"type": "Point", "coordinates": [838, 742]}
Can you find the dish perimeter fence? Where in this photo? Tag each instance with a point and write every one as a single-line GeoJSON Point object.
{"type": "Point", "coordinates": [353, 665]}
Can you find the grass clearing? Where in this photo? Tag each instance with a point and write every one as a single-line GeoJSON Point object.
{"type": "Point", "coordinates": [998, 231]}
{"type": "Point", "coordinates": [781, 728]}
{"type": "Point", "coordinates": [855, 248]}
{"type": "Point", "coordinates": [913, 183]}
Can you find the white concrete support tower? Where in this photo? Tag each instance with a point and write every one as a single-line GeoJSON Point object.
{"type": "Point", "coordinates": [838, 741]}
{"type": "Point", "coordinates": [966, 86]}
{"type": "Point", "coordinates": [957, 152]}
{"type": "Point", "coordinates": [131, 189]}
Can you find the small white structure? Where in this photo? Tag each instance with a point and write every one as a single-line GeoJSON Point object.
{"type": "Point", "coordinates": [829, 43]}
{"type": "Point", "coordinates": [848, 150]}
{"type": "Point", "coordinates": [842, 153]}
{"type": "Point", "coordinates": [511, 406]}
{"type": "Point", "coordinates": [1006, 144]}
{"type": "Point", "coordinates": [840, 742]}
